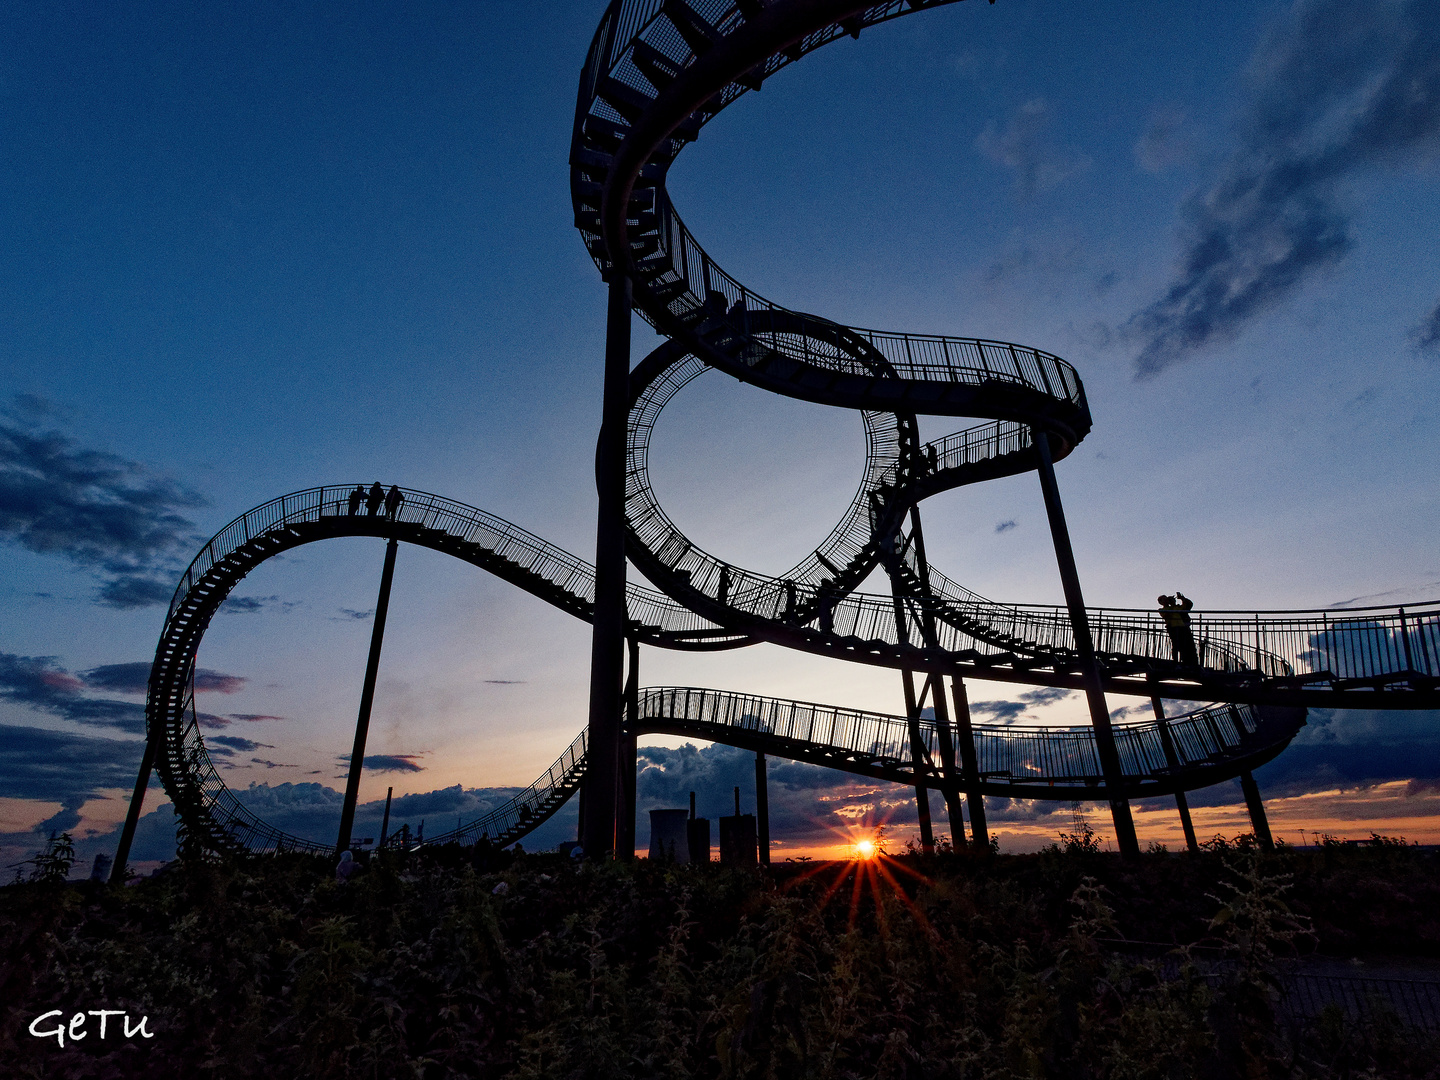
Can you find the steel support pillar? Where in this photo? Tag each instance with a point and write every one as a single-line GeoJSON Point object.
{"type": "Point", "coordinates": [385, 821]}
{"type": "Point", "coordinates": [1085, 648]}
{"type": "Point", "coordinates": [1259, 823]}
{"type": "Point", "coordinates": [954, 809]}
{"type": "Point", "coordinates": [625, 823]}
{"type": "Point", "coordinates": [137, 801]}
{"type": "Point", "coordinates": [367, 699]}
{"type": "Point", "coordinates": [1172, 759]}
{"type": "Point", "coordinates": [970, 765]}
{"type": "Point", "coordinates": [607, 648]}
{"type": "Point", "coordinates": [918, 762]}
{"type": "Point", "coordinates": [762, 809]}
{"type": "Point", "coordinates": [934, 685]}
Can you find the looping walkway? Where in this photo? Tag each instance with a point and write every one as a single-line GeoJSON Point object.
{"type": "Point", "coordinates": [657, 72]}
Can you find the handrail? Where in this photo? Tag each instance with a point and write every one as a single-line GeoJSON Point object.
{"type": "Point", "coordinates": [1007, 754]}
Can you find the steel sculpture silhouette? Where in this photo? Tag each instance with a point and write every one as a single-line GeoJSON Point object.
{"type": "Point", "coordinates": [656, 73]}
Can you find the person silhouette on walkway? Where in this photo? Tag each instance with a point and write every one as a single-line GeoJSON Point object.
{"type": "Point", "coordinates": [826, 597]}
{"type": "Point", "coordinates": [356, 498]}
{"type": "Point", "coordinates": [934, 457]}
{"type": "Point", "coordinates": [376, 499]}
{"type": "Point", "coordinates": [1175, 610]}
{"type": "Point", "coordinates": [393, 498]}
{"type": "Point", "coordinates": [724, 583]}
{"type": "Point", "coordinates": [789, 615]}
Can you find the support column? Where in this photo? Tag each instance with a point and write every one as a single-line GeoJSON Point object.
{"type": "Point", "coordinates": [385, 821]}
{"type": "Point", "coordinates": [1258, 821]}
{"type": "Point", "coordinates": [137, 801]}
{"type": "Point", "coordinates": [762, 809]}
{"type": "Point", "coordinates": [918, 762]}
{"type": "Point", "coordinates": [1085, 647]}
{"type": "Point", "coordinates": [970, 765]}
{"type": "Point", "coordinates": [367, 698]}
{"type": "Point", "coordinates": [1173, 760]}
{"type": "Point", "coordinates": [935, 686]}
{"type": "Point", "coordinates": [625, 822]}
{"type": "Point", "coordinates": [951, 790]}
{"type": "Point", "coordinates": [607, 647]}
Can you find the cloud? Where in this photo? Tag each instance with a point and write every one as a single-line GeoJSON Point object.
{"type": "Point", "coordinates": [387, 762]}
{"type": "Point", "coordinates": [249, 605]}
{"type": "Point", "coordinates": [1405, 592]}
{"type": "Point", "coordinates": [1038, 165]}
{"type": "Point", "coordinates": [1137, 711]}
{"type": "Point", "coordinates": [57, 766]}
{"type": "Point", "coordinates": [134, 678]}
{"type": "Point", "coordinates": [208, 681]}
{"type": "Point", "coordinates": [1008, 711]}
{"type": "Point", "coordinates": [113, 517]}
{"type": "Point", "coordinates": [1001, 810]}
{"type": "Point", "coordinates": [1163, 143]}
{"type": "Point", "coordinates": [1426, 336]}
{"type": "Point", "coordinates": [1336, 87]}
{"type": "Point", "coordinates": [126, 591]}
{"type": "Point", "coordinates": [234, 742]}
{"type": "Point", "coordinates": [506, 682]}
{"type": "Point", "coordinates": [1005, 526]}
{"type": "Point", "coordinates": [358, 616]}
{"type": "Point", "coordinates": [1049, 257]}
{"type": "Point", "coordinates": [39, 683]}
{"type": "Point", "coordinates": [1348, 749]}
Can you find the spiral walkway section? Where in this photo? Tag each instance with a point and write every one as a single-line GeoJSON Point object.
{"type": "Point", "coordinates": [659, 71]}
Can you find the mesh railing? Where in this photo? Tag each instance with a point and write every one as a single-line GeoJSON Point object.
{"type": "Point", "coordinates": [758, 327]}
{"type": "Point", "coordinates": [1019, 755]}
{"type": "Point", "coordinates": [531, 806]}
{"type": "Point", "coordinates": [465, 524]}
{"type": "Point", "coordinates": [847, 541]}
{"type": "Point", "coordinates": [762, 328]}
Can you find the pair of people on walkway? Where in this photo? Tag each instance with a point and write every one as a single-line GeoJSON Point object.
{"type": "Point", "coordinates": [1175, 611]}
{"type": "Point", "coordinates": [375, 498]}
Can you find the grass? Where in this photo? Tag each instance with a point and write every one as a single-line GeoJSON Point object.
{"type": "Point", "coordinates": [953, 966]}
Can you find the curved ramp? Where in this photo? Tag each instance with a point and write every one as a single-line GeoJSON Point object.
{"type": "Point", "coordinates": [657, 72]}
{"type": "Point", "coordinates": [1209, 745]}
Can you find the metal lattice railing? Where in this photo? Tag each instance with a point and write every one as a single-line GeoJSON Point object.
{"type": "Point", "coordinates": [530, 807]}
{"type": "Point", "coordinates": [1019, 755]}
{"type": "Point", "coordinates": [565, 572]}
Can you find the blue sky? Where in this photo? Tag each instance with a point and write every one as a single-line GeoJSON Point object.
{"type": "Point", "coordinates": [247, 251]}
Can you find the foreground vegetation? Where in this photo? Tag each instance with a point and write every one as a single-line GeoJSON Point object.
{"type": "Point", "coordinates": [954, 966]}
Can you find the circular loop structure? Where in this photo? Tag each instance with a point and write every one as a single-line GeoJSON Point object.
{"type": "Point", "coordinates": [656, 73]}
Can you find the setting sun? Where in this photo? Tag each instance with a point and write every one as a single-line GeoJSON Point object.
{"type": "Point", "coordinates": [865, 849]}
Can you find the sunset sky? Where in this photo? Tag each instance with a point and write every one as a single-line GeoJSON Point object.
{"type": "Point", "coordinates": [253, 249]}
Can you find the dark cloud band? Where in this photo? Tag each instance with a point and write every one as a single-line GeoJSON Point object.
{"type": "Point", "coordinates": [1336, 87]}
{"type": "Point", "coordinates": [113, 517]}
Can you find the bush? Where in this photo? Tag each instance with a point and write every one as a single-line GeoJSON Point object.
{"type": "Point", "coordinates": [946, 966]}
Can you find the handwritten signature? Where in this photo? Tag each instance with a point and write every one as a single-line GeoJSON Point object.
{"type": "Point", "coordinates": [76, 1027]}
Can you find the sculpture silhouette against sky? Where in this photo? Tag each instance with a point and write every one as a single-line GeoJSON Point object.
{"type": "Point", "coordinates": [657, 73]}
